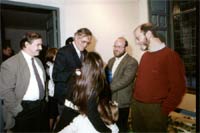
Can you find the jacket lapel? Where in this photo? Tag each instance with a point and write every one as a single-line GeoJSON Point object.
{"type": "Point", "coordinates": [24, 71]}
{"type": "Point", "coordinates": [121, 64]}
{"type": "Point", "coordinates": [75, 56]}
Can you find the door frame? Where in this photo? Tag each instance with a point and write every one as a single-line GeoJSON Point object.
{"type": "Point", "coordinates": [54, 10]}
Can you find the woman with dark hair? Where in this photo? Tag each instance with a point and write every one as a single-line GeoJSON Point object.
{"type": "Point", "coordinates": [92, 97]}
{"type": "Point", "coordinates": [52, 103]}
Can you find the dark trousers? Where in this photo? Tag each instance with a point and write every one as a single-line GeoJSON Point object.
{"type": "Point", "coordinates": [52, 108]}
{"type": "Point", "coordinates": [66, 117]}
{"type": "Point", "coordinates": [122, 122]}
{"type": "Point", "coordinates": [147, 117]}
{"type": "Point", "coordinates": [33, 118]}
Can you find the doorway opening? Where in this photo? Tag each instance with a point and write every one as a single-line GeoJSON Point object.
{"type": "Point", "coordinates": [18, 18]}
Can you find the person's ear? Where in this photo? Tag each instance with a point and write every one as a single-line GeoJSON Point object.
{"type": "Point", "coordinates": [27, 43]}
{"type": "Point", "coordinates": [148, 34]}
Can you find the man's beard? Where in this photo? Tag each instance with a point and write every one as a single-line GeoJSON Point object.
{"type": "Point", "coordinates": [145, 46]}
{"type": "Point", "coordinates": [120, 55]}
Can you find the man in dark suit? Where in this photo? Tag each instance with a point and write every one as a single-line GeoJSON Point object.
{"type": "Point", "coordinates": [123, 68]}
{"type": "Point", "coordinates": [68, 59]}
{"type": "Point", "coordinates": [22, 88]}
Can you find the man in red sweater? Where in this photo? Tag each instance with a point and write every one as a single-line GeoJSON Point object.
{"type": "Point", "coordinates": [160, 82]}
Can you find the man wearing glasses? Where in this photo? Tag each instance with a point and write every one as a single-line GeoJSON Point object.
{"type": "Point", "coordinates": [123, 69]}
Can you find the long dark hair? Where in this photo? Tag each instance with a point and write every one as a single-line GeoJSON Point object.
{"type": "Point", "coordinates": [91, 82]}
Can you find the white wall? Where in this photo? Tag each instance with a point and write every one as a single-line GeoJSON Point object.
{"type": "Point", "coordinates": [107, 19]}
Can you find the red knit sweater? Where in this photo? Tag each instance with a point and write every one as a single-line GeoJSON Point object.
{"type": "Point", "coordinates": [161, 79]}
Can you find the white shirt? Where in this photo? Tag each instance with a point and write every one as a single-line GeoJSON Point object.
{"type": "Point", "coordinates": [50, 82]}
{"type": "Point", "coordinates": [32, 93]}
{"type": "Point", "coordinates": [81, 124]}
{"type": "Point", "coordinates": [157, 47]}
{"type": "Point", "coordinates": [116, 63]}
{"type": "Point", "coordinates": [77, 50]}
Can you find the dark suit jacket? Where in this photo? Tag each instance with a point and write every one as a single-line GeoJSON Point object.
{"type": "Point", "coordinates": [66, 62]}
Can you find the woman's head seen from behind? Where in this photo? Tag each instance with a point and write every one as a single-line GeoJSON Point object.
{"type": "Point", "coordinates": [91, 81]}
{"type": "Point", "coordinates": [93, 67]}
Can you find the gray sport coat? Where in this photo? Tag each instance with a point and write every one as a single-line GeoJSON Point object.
{"type": "Point", "coordinates": [14, 81]}
{"type": "Point", "coordinates": [123, 80]}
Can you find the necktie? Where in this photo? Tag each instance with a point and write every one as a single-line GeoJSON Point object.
{"type": "Point", "coordinates": [41, 89]}
{"type": "Point", "coordinates": [82, 56]}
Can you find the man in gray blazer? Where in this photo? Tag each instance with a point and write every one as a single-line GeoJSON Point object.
{"type": "Point", "coordinates": [123, 68]}
{"type": "Point", "coordinates": [20, 89]}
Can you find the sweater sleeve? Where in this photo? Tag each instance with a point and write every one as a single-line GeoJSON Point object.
{"type": "Point", "coordinates": [94, 117]}
{"type": "Point", "coordinates": [177, 83]}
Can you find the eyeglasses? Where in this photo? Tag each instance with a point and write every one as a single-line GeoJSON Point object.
{"type": "Point", "coordinates": [85, 42]}
{"type": "Point", "coordinates": [119, 47]}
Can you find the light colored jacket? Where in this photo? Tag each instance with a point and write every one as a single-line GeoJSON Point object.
{"type": "Point", "coordinates": [123, 80]}
{"type": "Point", "coordinates": [14, 81]}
